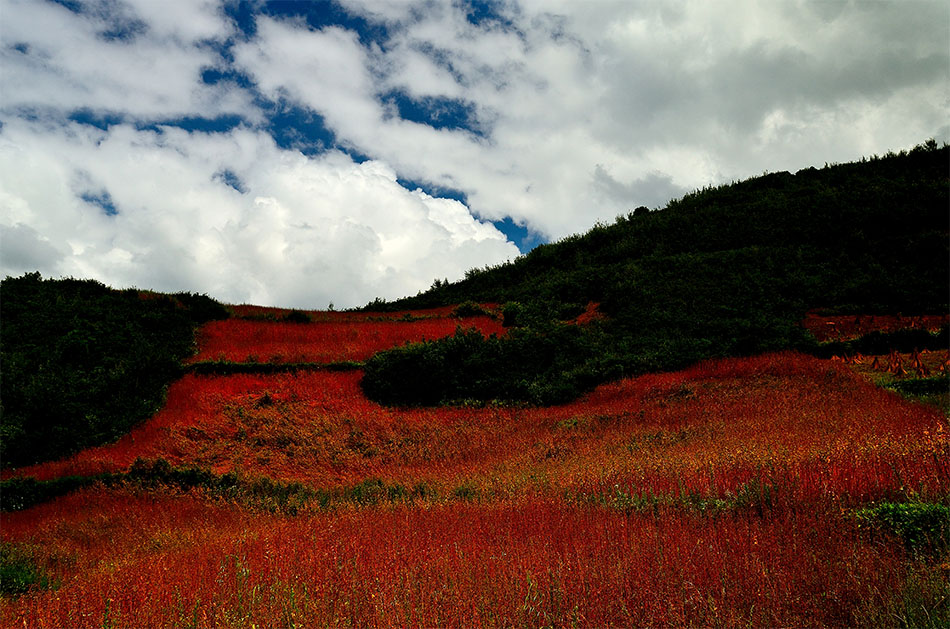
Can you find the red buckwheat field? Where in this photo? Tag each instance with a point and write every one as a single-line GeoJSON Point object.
{"type": "Point", "coordinates": [725, 494]}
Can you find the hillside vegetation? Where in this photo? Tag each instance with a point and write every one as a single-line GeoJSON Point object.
{"type": "Point", "coordinates": [724, 271]}
{"type": "Point", "coordinates": [83, 363]}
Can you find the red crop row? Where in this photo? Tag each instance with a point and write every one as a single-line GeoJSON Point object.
{"type": "Point", "coordinates": [807, 426]}
{"type": "Point", "coordinates": [332, 340]}
{"type": "Point", "coordinates": [135, 561]}
{"type": "Point", "coordinates": [847, 327]}
{"type": "Point", "coordinates": [266, 312]}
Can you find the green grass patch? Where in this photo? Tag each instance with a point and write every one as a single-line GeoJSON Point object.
{"type": "Point", "coordinates": [258, 493]}
{"type": "Point", "coordinates": [924, 528]}
{"type": "Point", "coordinates": [922, 602]}
{"type": "Point", "coordinates": [227, 368]}
{"type": "Point", "coordinates": [19, 573]}
{"type": "Point", "coordinates": [934, 391]}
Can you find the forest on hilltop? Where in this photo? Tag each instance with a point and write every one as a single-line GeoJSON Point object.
{"type": "Point", "coordinates": [725, 271]}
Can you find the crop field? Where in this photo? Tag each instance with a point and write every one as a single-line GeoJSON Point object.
{"type": "Point", "coordinates": [776, 490]}
{"type": "Point", "coordinates": [841, 328]}
{"type": "Point", "coordinates": [263, 336]}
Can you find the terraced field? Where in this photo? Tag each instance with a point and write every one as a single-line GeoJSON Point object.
{"type": "Point", "coordinates": [777, 490]}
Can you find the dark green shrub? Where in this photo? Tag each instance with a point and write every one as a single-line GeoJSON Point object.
{"type": "Point", "coordinates": [470, 309]}
{"type": "Point", "coordinates": [18, 572]}
{"type": "Point", "coordinates": [370, 491]}
{"type": "Point", "coordinates": [202, 308]}
{"type": "Point", "coordinates": [922, 386]}
{"type": "Point", "coordinates": [83, 363]}
{"type": "Point", "coordinates": [23, 492]}
{"type": "Point", "coordinates": [907, 340]}
{"type": "Point", "coordinates": [530, 366]}
{"type": "Point", "coordinates": [296, 316]}
{"type": "Point", "coordinates": [922, 527]}
{"type": "Point", "coordinates": [512, 314]}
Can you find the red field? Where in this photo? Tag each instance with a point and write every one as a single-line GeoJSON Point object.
{"type": "Point", "coordinates": [844, 328]}
{"type": "Point", "coordinates": [332, 337]}
{"type": "Point", "coordinates": [721, 495]}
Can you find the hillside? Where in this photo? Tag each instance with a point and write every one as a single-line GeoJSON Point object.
{"type": "Point", "coordinates": [172, 462]}
{"type": "Point", "coordinates": [730, 271]}
{"type": "Point", "coordinates": [778, 490]}
{"type": "Point", "coordinates": [726, 271]}
{"type": "Point", "coordinates": [83, 363]}
{"type": "Point", "coordinates": [881, 222]}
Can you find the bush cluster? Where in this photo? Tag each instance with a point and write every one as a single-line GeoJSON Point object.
{"type": "Point", "coordinates": [83, 363]}
{"type": "Point", "coordinates": [471, 309]}
{"type": "Point", "coordinates": [877, 342]}
{"type": "Point", "coordinates": [296, 316]}
{"type": "Point", "coordinates": [924, 528]}
{"type": "Point", "coordinates": [530, 365]}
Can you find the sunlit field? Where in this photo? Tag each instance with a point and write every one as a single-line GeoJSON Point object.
{"type": "Point", "coordinates": [732, 493]}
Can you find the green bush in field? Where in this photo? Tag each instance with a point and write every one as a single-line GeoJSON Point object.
{"type": "Point", "coordinates": [922, 527]}
{"type": "Point", "coordinates": [18, 573]}
{"type": "Point", "coordinates": [534, 366]}
{"type": "Point", "coordinates": [470, 309]}
{"type": "Point", "coordinates": [296, 316]}
{"type": "Point", "coordinates": [512, 314]}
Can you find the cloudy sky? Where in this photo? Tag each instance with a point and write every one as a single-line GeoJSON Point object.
{"type": "Point", "coordinates": [303, 153]}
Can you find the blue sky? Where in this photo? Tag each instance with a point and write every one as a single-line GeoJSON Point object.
{"type": "Point", "coordinates": [299, 153]}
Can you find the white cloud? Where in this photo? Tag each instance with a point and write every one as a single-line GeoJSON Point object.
{"type": "Point", "coordinates": [308, 231]}
{"type": "Point", "coordinates": [60, 60]}
{"type": "Point", "coordinates": [189, 22]}
{"type": "Point", "coordinates": [325, 69]}
{"type": "Point", "coordinates": [688, 94]}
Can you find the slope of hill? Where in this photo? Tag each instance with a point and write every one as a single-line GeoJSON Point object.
{"type": "Point", "coordinates": [83, 363]}
{"type": "Point", "coordinates": [883, 222]}
{"type": "Point", "coordinates": [774, 490]}
{"type": "Point", "coordinates": [779, 490]}
{"type": "Point", "coordinates": [724, 271]}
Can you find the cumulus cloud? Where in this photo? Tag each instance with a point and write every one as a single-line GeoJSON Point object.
{"type": "Point", "coordinates": [25, 250]}
{"type": "Point", "coordinates": [305, 232]}
{"type": "Point", "coordinates": [230, 214]}
{"type": "Point", "coordinates": [143, 60]}
{"type": "Point", "coordinates": [689, 93]}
